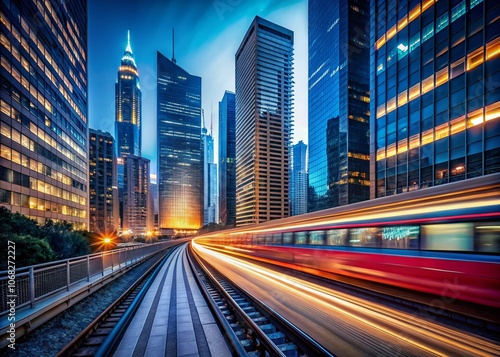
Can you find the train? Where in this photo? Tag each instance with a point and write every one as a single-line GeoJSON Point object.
{"type": "Point", "coordinates": [442, 240]}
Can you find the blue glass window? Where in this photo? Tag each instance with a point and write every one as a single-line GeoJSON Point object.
{"type": "Point", "coordinates": [458, 11]}
{"type": "Point", "coordinates": [474, 3]}
{"type": "Point", "coordinates": [402, 50]}
{"type": "Point", "coordinates": [427, 32]}
{"type": "Point", "coordinates": [442, 22]}
{"type": "Point", "coordinates": [415, 42]}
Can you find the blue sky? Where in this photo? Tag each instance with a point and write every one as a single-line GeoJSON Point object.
{"type": "Point", "coordinates": [207, 35]}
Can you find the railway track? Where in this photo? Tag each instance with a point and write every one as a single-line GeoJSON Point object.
{"type": "Point", "coordinates": [90, 340]}
{"type": "Point", "coordinates": [252, 328]}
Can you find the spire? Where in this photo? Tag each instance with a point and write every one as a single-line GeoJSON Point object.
{"type": "Point", "coordinates": [128, 49]}
{"type": "Point", "coordinates": [173, 47]}
{"type": "Point", "coordinates": [128, 57]}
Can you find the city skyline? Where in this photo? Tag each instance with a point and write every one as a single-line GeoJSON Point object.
{"type": "Point", "coordinates": [219, 28]}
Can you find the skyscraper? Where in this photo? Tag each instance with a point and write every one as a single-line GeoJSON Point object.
{"type": "Point", "coordinates": [435, 69]}
{"type": "Point", "coordinates": [339, 99]}
{"type": "Point", "coordinates": [180, 160]}
{"type": "Point", "coordinates": [127, 115]}
{"type": "Point", "coordinates": [43, 119]}
{"type": "Point", "coordinates": [227, 160]}
{"type": "Point", "coordinates": [103, 195]}
{"type": "Point", "coordinates": [264, 81]}
{"type": "Point", "coordinates": [298, 179]}
{"type": "Point", "coordinates": [209, 178]}
{"type": "Point", "coordinates": [138, 211]}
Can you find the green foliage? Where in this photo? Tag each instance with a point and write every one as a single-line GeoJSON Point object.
{"type": "Point", "coordinates": [35, 244]}
{"type": "Point", "coordinates": [65, 242]}
{"type": "Point", "coordinates": [29, 250]}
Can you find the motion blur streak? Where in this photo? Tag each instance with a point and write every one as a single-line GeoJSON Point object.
{"type": "Point", "coordinates": [382, 327]}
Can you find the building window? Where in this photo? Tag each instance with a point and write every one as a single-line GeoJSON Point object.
{"type": "Point", "coordinates": [458, 11]}
{"type": "Point", "coordinates": [427, 32]}
{"type": "Point", "coordinates": [475, 58]}
{"type": "Point", "coordinates": [473, 3]}
{"type": "Point", "coordinates": [402, 50]}
{"type": "Point", "coordinates": [442, 22]}
{"type": "Point", "coordinates": [492, 48]}
{"type": "Point", "coordinates": [414, 42]}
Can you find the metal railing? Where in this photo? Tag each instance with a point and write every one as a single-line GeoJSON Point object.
{"type": "Point", "coordinates": [36, 282]}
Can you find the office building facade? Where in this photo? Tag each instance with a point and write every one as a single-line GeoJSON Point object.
{"type": "Point", "coordinates": [180, 158]}
{"type": "Point", "coordinates": [227, 160]}
{"type": "Point", "coordinates": [298, 179]}
{"type": "Point", "coordinates": [103, 193]}
{"type": "Point", "coordinates": [339, 99]}
{"type": "Point", "coordinates": [435, 69]}
{"type": "Point", "coordinates": [43, 120]}
{"type": "Point", "coordinates": [263, 101]}
{"type": "Point", "coordinates": [138, 208]}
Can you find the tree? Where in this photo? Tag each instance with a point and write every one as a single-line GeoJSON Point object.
{"type": "Point", "coordinates": [29, 250]}
{"type": "Point", "coordinates": [65, 242]}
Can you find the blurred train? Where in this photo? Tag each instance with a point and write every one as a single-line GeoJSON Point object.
{"type": "Point", "coordinates": [442, 240]}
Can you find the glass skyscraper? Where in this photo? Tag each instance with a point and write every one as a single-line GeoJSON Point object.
{"type": "Point", "coordinates": [298, 179]}
{"type": "Point", "coordinates": [209, 178]}
{"type": "Point", "coordinates": [127, 116]}
{"type": "Point", "coordinates": [264, 100]}
{"type": "Point", "coordinates": [339, 99]}
{"type": "Point", "coordinates": [103, 195]}
{"type": "Point", "coordinates": [435, 74]}
{"type": "Point", "coordinates": [43, 119]}
{"type": "Point", "coordinates": [227, 160]}
{"type": "Point", "coordinates": [180, 159]}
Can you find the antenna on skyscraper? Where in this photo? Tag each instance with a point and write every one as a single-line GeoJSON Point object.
{"type": "Point", "coordinates": [173, 47]}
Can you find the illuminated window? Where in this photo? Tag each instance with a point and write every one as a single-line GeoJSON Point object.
{"type": "Point", "coordinates": [428, 84]}
{"type": "Point", "coordinates": [402, 146]}
{"type": "Point", "coordinates": [414, 92]}
{"type": "Point", "coordinates": [457, 68]}
{"type": "Point", "coordinates": [402, 50]}
{"type": "Point", "coordinates": [493, 48]}
{"type": "Point", "coordinates": [414, 141]}
{"type": "Point", "coordinates": [402, 23]}
{"type": "Point", "coordinates": [380, 42]}
{"type": "Point", "coordinates": [5, 152]}
{"type": "Point", "coordinates": [442, 131]}
{"type": "Point", "coordinates": [391, 150]}
{"type": "Point", "coordinates": [380, 66]}
{"type": "Point", "coordinates": [441, 76]}
{"type": "Point", "coordinates": [380, 154]}
{"type": "Point", "coordinates": [427, 32]}
{"type": "Point", "coordinates": [427, 4]}
{"type": "Point", "coordinates": [492, 111]}
{"type": "Point", "coordinates": [391, 33]}
{"type": "Point", "coordinates": [457, 125]}
{"type": "Point", "coordinates": [428, 136]}
{"type": "Point", "coordinates": [458, 11]}
{"type": "Point", "coordinates": [475, 118]}
{"type": "Point", "coordinates": [402, 98]}
{"type": "Point", "coordinates": [442, 22]}
{"type": "Point", "coordinates": [475, 58]}
{"type": "Point", "coordinates": [391, 56]}
{"type": "Point", "coordinates": [415, 41]}
{"type": "Point", "coordinates": [414, 13]}
{"type": "Point", "coordinates": [391, 104]}
{"type": "Point", "coordinates": [473, 3]}
{"type": "Point", "coordinates": [380, 110]}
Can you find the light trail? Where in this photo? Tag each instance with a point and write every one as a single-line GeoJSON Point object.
{"type": "Point", "coordinates": [428, 337]}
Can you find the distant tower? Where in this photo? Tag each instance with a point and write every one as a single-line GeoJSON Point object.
{"type": "Point", "coordinates": [103, 196]}
{"type": "Point", "coordinates": [227, 160]}
{"type": "Point", "coordinates": [298, 179]}
{"type": "Point", "coordinates": [264, 91]}
{"type": "Point", "coordinates": [138, 211]}
{"type": "Point", "coordinates": [209, 177]}
{"type": "Point", "coordinates": [128, 114]}
{"type": "Point", "coordinates": [180, 159]}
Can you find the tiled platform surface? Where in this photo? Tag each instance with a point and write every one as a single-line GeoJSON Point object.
{"type": "Point", "coordinates": [173, 318]}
